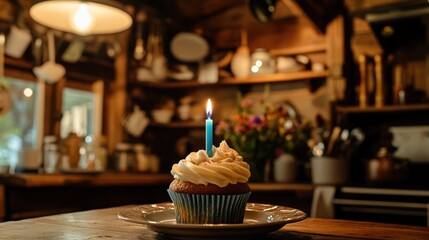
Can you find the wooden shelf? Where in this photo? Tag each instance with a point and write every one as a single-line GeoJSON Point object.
{"type": "Point", "coordinates": [391, 108]}
{"type": "Point", "coordinates": [278, 77]}
{"type": "Point", "coordinates": [281, 187]}
{"type": "Point", "coordinates": [179, 124]}
{"type": "Point", "coordinates": [272, 78]}
{"type": "Point", "coordinates": [299, 50]}
{"type": "Point", "coordinates": [103, 179]}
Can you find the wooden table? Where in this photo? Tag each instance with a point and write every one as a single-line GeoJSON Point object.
{"type": "Point", "coordinates": [104, 224]}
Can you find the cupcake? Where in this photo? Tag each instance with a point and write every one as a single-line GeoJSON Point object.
{"type": "Point", "coordinates": [210, 190]}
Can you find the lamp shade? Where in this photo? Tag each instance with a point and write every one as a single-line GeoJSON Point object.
{"type": "Point", "coordinates": [80, 17]}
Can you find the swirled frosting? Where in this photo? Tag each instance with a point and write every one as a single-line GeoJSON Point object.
{"type": "Point", "coordinates": [225, 167]}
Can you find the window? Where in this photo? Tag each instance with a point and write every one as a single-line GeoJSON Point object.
{"type": "Point", "coordinates": [21, 126]}
{"type": "Point", "coordinates": [82, 109]}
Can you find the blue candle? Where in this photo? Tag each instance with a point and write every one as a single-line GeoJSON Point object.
{"type": "Point", "coordinates": [209, 129]}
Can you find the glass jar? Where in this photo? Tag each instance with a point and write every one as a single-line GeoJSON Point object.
{"type": "Point", "coordinates": [124, 157]}
{"type": "Point", "coordinates": [51, 154]}
{"type": "Point", "coordinates": [142, 158]}
{"type": "Point", "coordinates": [89, 159]}
{"type": "Point", "coordinates": [100, 150]}
{"type": "Point", "coordinates": [262, 62]}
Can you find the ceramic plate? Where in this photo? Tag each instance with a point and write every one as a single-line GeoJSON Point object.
{"type": "Point", "coordinates": [259, 220]}
{"type": "Point", "coordinates": [189, 47]}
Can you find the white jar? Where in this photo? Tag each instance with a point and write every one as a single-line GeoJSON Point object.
{"type": "Point", "coordinates": [240, 63]}
{"type": "Point", "coordinates": [142, 158]}
{"type": "Point", "coordinates": [285, 168]}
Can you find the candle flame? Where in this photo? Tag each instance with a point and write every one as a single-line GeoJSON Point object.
{"type": "Point", "coordinates": [209, 110]}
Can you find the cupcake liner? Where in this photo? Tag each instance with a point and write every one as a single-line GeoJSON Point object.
{"type": "Point", "coordinates": [209, 209]}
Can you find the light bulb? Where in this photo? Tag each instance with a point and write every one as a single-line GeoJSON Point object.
{"type": "Point", "coordinates": [82, 20]}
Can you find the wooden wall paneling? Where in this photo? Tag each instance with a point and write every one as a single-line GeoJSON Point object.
{"type": "Point", "coordinates": [335, 59]}
{"type": "Point", "coordinates": [286, 33]}
{"type": "Point", "coordinates": [363, 40]}
{"type": "Point", "coordinates": [2, 203]}
{"type": "Point", "coordinates": [56, 114]}
{"type": "Point", "coordinates": [49, 109]}
{"type": "Point", "coordinates": [116, 98]}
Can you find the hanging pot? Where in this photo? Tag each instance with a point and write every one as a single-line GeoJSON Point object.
{"type": "Point", "coordinates": [262, 10]}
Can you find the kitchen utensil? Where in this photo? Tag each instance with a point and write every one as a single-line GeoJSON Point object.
{"type": "Point", "coordinates": [262, 10]}
{"type": "Point", "coordinates": [74, 50]}
{"type": "Point", "coordinates": [338, 147]}
{"type": "Point", "coordinates": [240, 63]}
{"type": "Point", "coordinates": [318, 149]}
{"type": "Point", "coordinates": [386, 168]}
{"type": "Point", "coordinates": [136, 122]}
{"type": "Point", "coordinates": [37, 51]}
{"type": "Point", "coordinates": [159, 64]}
{"type": "Point", "coordinates": [189, 47]}
{"type": "Point", "coordinates": [332, 139]}
{"type": "Point", "coordinates": [139, 50]}
{"type": "Point", "coordinates": [356, 137]}
{"type": "Point", "coordinates": [50, 71]}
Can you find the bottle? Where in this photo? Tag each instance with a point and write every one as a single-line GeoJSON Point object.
{"type": "Point", "coordinates": [123, 157]}
{"type": "Point", "coordinates": [51, 154]}
{"type": "Point", "coordinates": [72, 144]}
{"type": "Point", "coordinates": [240, 63]}
{"type": "Point", "coordinates": [100, 149]}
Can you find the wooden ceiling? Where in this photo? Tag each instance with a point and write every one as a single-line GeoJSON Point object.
{"type": "Point", "coordinates": [213, 14]}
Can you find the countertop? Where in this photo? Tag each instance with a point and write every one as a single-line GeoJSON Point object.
{"type": "Point", "coordinates": [125, 179]}
{"type": "Point", "coordinates": [104, 224]}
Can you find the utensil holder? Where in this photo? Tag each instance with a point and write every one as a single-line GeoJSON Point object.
{"type": "Point", "coordinates": [329, 170]}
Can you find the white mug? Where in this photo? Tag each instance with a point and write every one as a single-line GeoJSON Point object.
{"type": "Point", "coordinates": [17, 42]}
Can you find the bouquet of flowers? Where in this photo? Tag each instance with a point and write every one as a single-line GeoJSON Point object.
{"type": "Point", "coordinates": [259, 130]}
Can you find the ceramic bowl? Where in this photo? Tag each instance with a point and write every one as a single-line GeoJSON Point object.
{"type": "Point", "coordinates": [162, 115]}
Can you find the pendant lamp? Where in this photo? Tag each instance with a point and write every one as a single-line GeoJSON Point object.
{"type": "Point", "coordinates": [81, 17]}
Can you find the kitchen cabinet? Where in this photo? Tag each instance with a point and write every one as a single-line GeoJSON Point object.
{"type": "Point", "coordinates": [376, 122]}
{"type": "Point", "coordinates": [365, 38]}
